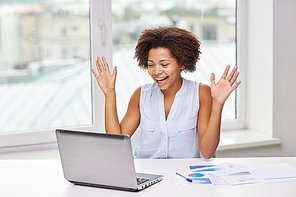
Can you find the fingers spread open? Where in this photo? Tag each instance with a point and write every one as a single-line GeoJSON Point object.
{"type": "Point", "coordinates": [234, 78]}
{"type": "Point", "coordinates": [225, 72]}
{"type": "Point", "coordinates": [236, 85]}
{"type": "Point", "coordinates": [99, 65]}
{"type": "Point", "coordinates": [102, 65]}
{"type": "Point", "coordinates": [105, 63]}
{"type": "Point", "coordinates": [232, 74]}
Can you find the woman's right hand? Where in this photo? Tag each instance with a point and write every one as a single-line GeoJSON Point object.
{"type": "Point", "coordinates": [105, 80]}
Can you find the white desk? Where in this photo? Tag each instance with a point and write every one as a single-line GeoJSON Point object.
{"type": "Point", "coordinates": [45, 178]}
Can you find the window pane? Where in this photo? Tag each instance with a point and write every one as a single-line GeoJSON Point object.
{"type": "Point", "coordinates": [44, 64]}
{"type": "Point", "coordinates": [212, 21]}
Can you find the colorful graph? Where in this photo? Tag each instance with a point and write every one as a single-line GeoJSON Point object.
{"type": "Point", "coordinates": [201, 181]}
{"type": "Point", "coordinates": [196, 175]}
{"type": "Point", "coordinates": [240, 173]}
{"type": "Point", "coordinates": [208, 170]}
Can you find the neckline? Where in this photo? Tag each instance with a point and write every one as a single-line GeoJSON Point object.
{"type": "Point", "coordinates": [175, 103]}
{"type": "Point", "coordinates": [179, 92]}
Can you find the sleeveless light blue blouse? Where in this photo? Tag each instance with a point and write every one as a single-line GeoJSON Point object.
{"type": "Point", "coordinates": [175, 137]}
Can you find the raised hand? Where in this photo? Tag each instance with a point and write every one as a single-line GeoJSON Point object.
{"type": "Point", "coordinates": [221, 90]}
{"type": "Point", "coordinates": [105, 80]}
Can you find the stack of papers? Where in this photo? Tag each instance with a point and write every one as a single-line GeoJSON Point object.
{"type": "Point", "coordinates": [235, 174]}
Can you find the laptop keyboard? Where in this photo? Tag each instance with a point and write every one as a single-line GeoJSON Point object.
{"type": "Point", "coordinates": [141, 180]}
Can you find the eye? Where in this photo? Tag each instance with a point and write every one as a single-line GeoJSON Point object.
{"type": "Point", "coordinates": [150, 65]}
{"type": "Point", "coordinates": [165, 65]}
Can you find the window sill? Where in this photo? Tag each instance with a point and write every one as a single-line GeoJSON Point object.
{"type": "Point", "coordinates": [230, 140]}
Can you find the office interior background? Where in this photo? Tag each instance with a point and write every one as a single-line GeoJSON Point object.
{"type": "Point", "coordinates": [47, 50]}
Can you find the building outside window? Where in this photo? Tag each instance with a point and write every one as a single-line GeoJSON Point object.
{"type": "Point", "coordinates": [209, 32]}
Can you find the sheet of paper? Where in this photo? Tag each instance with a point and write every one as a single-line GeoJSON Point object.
{"type": "Point", "coordinates": [217, 181]}
{"type": "Point", "coordinates": [226, 173]}
{"type": "Point", "coordinates": [199, 174]}
{"type": "Point", "coordinates": [239, 177]}
{"type": "Point", "coordinates": [208, 174]}
{"type": "Point", "coordinates": [274, 172]}
{"type": "Point", "coordinates": [233, 174]}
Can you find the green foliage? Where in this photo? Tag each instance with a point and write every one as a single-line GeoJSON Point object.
{"type": "Point", "coordinates": [175, 11]}
{"type": "Point", "coordinates": [130, 14]}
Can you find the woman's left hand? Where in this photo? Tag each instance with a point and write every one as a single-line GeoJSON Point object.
{"type": "Point", "coordinates": [221, 90]}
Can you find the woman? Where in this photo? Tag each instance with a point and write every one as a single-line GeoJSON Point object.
{"type": "Point", "coordinates": [178, 118]}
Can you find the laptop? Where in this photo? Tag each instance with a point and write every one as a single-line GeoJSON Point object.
{"type": "Point", "coordinates": [101, 160]}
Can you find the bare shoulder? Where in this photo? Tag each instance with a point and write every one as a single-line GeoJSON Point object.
{"type": "Point", "coordinates": [137, 94]}
{"type": "Point", "coordinates": [204, 92]}
{"type": "Point", "coordinates": [138, 91]}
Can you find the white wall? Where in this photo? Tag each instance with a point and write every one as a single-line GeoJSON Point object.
{"type": "Point", "coordinates": [284, 77]}
{"type": "Point", "coordinates": [271, 70]}
{"type": "Point", "coordinates": [259, 65]}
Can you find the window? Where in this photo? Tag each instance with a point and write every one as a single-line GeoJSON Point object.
{"type": "Point", "coordinates": [45, 79]}
{"type": "Point", "coordinates": [43, 88]}
{"type": "Point", "coordinates": [209, 32]}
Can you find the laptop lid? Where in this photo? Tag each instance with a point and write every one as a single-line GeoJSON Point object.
{"type": "Point", "coordinates": [98, 159]}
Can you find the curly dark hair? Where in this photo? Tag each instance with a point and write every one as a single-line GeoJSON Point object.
{"type": "Point", "coordinates": [183, 45]}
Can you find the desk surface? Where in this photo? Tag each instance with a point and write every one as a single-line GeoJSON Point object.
{"type": "Point", "coordinates": [45, 178]}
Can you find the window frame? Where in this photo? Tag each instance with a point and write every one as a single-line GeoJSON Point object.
{"type": "Point", "coordinates": [241, 61]}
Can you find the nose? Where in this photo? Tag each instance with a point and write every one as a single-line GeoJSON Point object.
{"type": "Point", "coordinates": [157, 70]}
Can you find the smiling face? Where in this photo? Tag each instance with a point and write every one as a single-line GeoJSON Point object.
{"type": "Point", "coordinates": [165, 70]}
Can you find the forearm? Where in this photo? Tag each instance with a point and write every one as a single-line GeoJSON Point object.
{"type": "Point", "coordinates": [112, 125]}
{"type": "Point", "coordinates": [211, 137]}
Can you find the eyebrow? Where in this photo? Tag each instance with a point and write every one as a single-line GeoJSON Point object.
{"type": "Point", "coordinates": [160, 60]}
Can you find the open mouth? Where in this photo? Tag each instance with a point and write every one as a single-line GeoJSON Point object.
{"type": "Point", "coordinates": [161, 81]}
